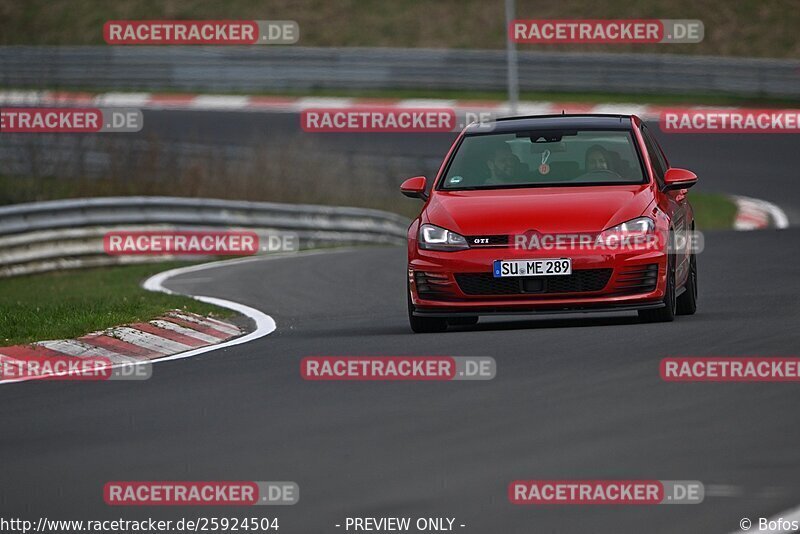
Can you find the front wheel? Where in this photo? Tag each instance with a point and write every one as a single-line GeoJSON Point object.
{"type": "Point", "coordinates": [687, 302]}
{"type": "Point", "coordinates": [667, 313]}
{"type": "Point", "coordinates": [423, 325]}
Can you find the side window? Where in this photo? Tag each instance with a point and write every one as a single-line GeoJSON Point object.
{"type": "Point", "coordinates": [655, 155]}
{"type": "Point", "coordinates": [659, 151]}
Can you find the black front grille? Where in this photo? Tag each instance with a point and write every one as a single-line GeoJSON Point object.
{"type": "Point", "coordinates": [637, 279]}
{"type": "Point", "coordinates": [486, 284]}
{"type": "Point", "coordinates": [581, 281]}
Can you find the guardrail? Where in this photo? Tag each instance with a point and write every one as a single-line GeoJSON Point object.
{"type": "Point", "coordinates": [62, 234]}
{"type": "Point", "coordinates": [275, 69]}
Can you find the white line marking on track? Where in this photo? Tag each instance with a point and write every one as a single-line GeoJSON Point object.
{"type": "Point", "coordinates": [264, 323]}
{"type": "Point", "coordinates": [777, 214]}
{"type": "Point", "coordinates": [219, 102]}
{"type": "Point", "coordinates": [426, 103]}
{"type": "Point", "coordinates": [534, 108]}
{"type": "Point", "coordinates": [323, 102]}
{"type": "Point", "coordinates": [621, 109]}
{"type": "Point", "coordinates": [122, 99]}
{"type": "Point", "coordinates": [748, 205]}
{"type": "Point", "coordinates": [723, 490]}
{"type": "Point", "coordinates": [23, 97]}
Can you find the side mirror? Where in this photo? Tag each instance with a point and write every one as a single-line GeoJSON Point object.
{"type": "Point", "coordinates": [414, 187]}
{"type": "Point", "coordinates": [679, 179]}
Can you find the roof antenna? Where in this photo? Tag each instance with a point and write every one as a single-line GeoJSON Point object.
{"type": "Point", "coordinates": [563, 112]}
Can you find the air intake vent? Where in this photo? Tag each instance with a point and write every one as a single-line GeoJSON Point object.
{"type": "Point", "coordinates": [580, 281]}
{"type": "Point", "coordinates": [637, 279]}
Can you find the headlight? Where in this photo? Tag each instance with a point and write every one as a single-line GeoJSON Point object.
{"type": "Point", "coordinates": [434, 238]}
{"type": "Point", "coordinates": [635, 228]}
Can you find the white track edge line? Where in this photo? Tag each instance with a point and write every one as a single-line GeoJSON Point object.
{"type": "Point", "coordinates": [778, 216]}
{"type": "Point", "coordinates": [265, 324]}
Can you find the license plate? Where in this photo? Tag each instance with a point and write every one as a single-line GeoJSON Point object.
{"type": "Point", "coordinates": [549, 267]}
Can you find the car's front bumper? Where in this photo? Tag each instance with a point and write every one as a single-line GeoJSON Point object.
{"type": "Point", "coordinates": [460, 283]}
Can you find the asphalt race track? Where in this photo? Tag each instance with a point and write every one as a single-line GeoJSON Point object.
{"type": "Point", "coordinates": [575, 397]}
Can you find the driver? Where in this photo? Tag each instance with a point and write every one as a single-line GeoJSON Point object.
{"type": "Point", "coordinates": [503, 166]}
{"type": "Point", "coordinates": [597, 159]}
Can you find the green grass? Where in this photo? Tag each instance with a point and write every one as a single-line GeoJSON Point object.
{"type": "Point", "coordinates": [761, 28]}
{"type": "Point", "coordinates": [15, 190]}
{"type": "Point", "coordinates": [68, 304]}
{"type": "Point", "coordinates": [712, 211]}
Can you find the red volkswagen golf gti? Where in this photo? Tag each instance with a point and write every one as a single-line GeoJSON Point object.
{"type": "Point", "coordinates": [549, 214]}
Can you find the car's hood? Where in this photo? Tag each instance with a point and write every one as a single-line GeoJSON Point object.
{"type": "Point", "coordinates": [546, 210]}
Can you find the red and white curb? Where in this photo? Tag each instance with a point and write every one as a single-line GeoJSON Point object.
{"type": "Point", "coordinates": [289, 104]}
{"type": "Point", "coordinates": [176, 335]}
{"type": "Point", "coordinates": [757, 214]}
{"type": "Point", "coordinates": [175, 332]}
{"type": "Point", "coordinates": [298, 104]}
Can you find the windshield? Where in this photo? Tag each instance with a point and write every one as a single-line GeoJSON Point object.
{"type": "Point", "coordinates": [544, 158]}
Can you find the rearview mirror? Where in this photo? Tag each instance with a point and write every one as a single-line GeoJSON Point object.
{"type": "Point", "coordinates": [414, 187]}
{"type": "Point", "coordinates": [676, 178]}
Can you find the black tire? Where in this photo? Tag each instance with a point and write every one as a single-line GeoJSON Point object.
{"type": "Point", "coordinates": [687, 302]}
{"type": "Point", "coordinates": [423, 325]}
{"type": "Point", "coordinates": [463, 321]}
{"type": "Point", "coordinates": [666, 313]}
